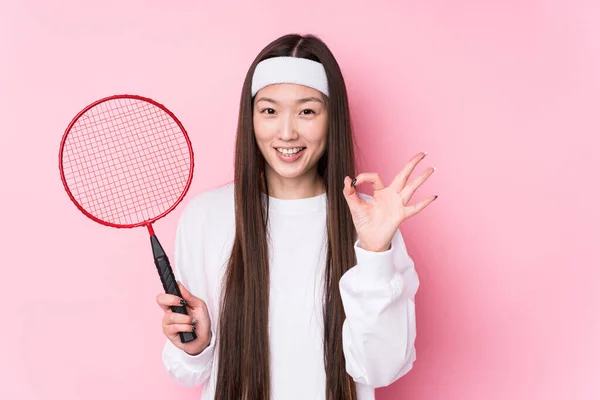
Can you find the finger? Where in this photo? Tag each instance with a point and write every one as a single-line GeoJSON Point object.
{"type": "Point", "coordinates": [191, 300]}
{"type": "Point", "coordinates": [351, 194]}
{"type": "Point", "coordinates": [411, 188]}
{"type": "Point", "coordinates": [165, 300]}
{"type": "Point", "coordinates": [415, 209]}
{"type": "Point", "coordinates": [174, 329]}
{"type": "Point", "coordinates": [178, 318]}
{"type": "Point", "coordinates": [400, 179]}
{"type": "Point", "coordinates": [370, 177]}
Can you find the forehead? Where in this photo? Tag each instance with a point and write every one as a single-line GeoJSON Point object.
{"type": "Point", "coordinates": [288, 92]}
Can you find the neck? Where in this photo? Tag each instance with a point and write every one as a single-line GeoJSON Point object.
{"type": "Point", "coordinates": [307, 185]}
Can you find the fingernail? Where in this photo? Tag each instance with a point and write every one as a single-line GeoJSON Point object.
{"type": "Point", "coordinates": [353, 182]}
{"type": "Point", "coordinates": [436, 196]}
{"type": "Point", "coordinates": [194, 321]}
{"type": "Point", "coordinates": [424, 155]}
{"type": "Point", "coordinates": [193, 328]}
{"type": "Point", "coordinates": [183, 302]}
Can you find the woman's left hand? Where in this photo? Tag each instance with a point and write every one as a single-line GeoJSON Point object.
{"type": "Point", "coordinates": [378, 220]}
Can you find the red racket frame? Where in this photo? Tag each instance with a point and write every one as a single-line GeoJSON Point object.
{"type": "Point", "coordinates": [148, 223]}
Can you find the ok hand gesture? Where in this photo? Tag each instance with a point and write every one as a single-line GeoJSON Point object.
{"type": "Point", "coordinates": [377, 221]}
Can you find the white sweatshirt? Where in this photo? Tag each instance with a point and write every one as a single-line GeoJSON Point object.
{"type": "Point", "coordinates": [378, 296]}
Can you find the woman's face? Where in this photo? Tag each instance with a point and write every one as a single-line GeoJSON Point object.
{"type": "Point", "coordinates": [290, 124]}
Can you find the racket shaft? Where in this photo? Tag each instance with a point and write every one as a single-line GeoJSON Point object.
{"type": "Point", "coordinates": [169, 283]}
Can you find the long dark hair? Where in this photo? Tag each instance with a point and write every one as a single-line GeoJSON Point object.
{"type": "Point", "coordinates": [243, 366]}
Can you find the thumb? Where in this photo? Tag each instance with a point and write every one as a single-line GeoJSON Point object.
{"type": "Point", "coordinates": [191, 300]}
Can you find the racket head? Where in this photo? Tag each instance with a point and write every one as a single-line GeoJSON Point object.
{"type": "Point", "coordinates": [75, 169]}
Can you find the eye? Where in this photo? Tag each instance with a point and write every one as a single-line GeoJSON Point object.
{"type": "Point", "coordinates": [268, 109]}
{"type": "Point", "coordinates": [310, 111]}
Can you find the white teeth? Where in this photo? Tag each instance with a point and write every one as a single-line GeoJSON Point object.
{"type": "Point", "coordinates": [289, 151]}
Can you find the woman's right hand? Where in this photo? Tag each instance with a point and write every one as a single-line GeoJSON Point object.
{"type": "Point", "coordinates": [197, 320]}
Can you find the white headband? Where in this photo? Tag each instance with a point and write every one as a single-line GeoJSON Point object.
{"type": "Point", "coordinates": [297, 70]}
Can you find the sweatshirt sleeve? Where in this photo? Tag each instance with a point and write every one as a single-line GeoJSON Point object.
{"type": "Point", "coordinates": [190, 270]}
{"type": "Point", "coordinates": [379, 330]}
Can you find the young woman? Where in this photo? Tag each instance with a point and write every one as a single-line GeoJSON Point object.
{"type": "Point", "coordinates": [297, 285]}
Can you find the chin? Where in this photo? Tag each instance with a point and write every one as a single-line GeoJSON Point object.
{"type": "Point", "coordinates": [289, 174]}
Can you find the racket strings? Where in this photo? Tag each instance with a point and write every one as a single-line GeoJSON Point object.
{"type": "Point", "coordinates": [126, 161]}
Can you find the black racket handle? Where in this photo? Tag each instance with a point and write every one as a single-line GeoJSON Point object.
{"type": "Point", "coordinates": [169, 283]}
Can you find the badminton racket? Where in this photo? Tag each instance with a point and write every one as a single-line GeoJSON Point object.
{"type": "Point", "coordinates": [125, 162]}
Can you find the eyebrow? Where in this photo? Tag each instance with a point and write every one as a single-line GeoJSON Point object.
{"type": "Point", "coordinates": [299, 101]}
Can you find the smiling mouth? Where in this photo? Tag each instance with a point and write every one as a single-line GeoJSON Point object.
{"type": "Point", "coordinates": [291, 151]}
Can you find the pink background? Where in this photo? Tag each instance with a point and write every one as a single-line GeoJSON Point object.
{"type": "Point", "coordinates": [504, 95]}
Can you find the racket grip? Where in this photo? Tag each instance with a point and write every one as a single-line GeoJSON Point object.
{"type": "Point", "coordinates": [169, 283]}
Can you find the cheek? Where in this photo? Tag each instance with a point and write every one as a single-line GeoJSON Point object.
{"type": "Point", "coordinates": [316, 133]}
{"type": "Point", "coordinates": [263, 131]}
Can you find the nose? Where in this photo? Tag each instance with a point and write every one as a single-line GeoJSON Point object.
{"type": "Point", "coordinates": [287, 131]}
